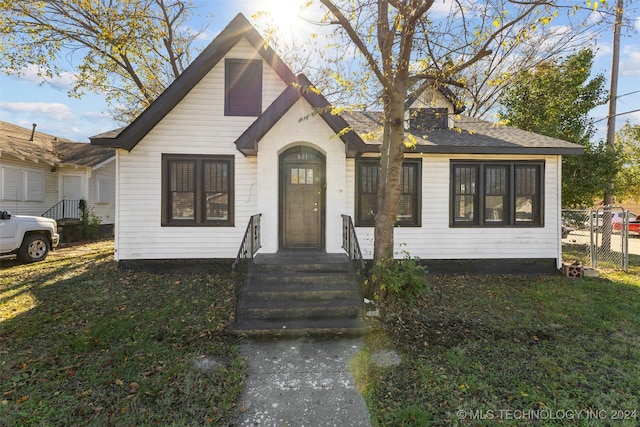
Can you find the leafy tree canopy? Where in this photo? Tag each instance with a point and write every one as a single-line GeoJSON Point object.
{"type": "Point", "coordinates": [129, 50]}
{"type": "Point", "coordinates": [627, 184]}
{"type": "Point", "coordinates": [554, 99]}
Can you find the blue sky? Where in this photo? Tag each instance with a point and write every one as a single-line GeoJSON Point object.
{"type": "Point", "coordinates": [25, 100]}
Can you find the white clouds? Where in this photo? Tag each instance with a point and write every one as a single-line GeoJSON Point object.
{"type": "Point", "coordinates": [440, 9]}
{"type": "Point", "coordinates": [630, 61]}
{"type": "Point", "coordinates": [637, 24]}
{"type": "Point", "coordinates": [48, 110]}
{"type": "Point", "coordinates": [57, 119]}
{"type": "Point", "coordinates": [34, 75]}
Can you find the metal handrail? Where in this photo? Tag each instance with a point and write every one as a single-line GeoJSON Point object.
{"type": "Point", "coordinates": [351, 245]}
{"type": "Point", "coordinates": [65, 209]}
{"type": "Point", "coordinates": [251, 242]}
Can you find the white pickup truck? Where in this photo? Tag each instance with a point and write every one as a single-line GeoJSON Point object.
{"type": "Point", "coordinates": [27, 237]}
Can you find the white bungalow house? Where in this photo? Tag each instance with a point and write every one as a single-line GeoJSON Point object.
{"type": "Point", "coordinates": [237, 135]}
{"type": "Point", "coordinates": [44, 175]}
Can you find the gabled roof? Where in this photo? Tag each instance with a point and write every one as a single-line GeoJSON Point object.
{"type": "Point", "coordinates": [54, 151]}
{"type": "Point", "coordinates": [247, 143]}
{"type": "Point", "coordinates": [238, 28]}
{"type": "Point", "coordinates": [469, 136]}
{"type": "Point", "coordinates": [458, 106]}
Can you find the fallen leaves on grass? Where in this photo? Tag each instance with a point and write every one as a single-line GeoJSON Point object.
{"type": "Point", "coordinates": [107, 347]}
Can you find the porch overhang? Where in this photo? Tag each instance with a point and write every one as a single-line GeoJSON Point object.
{"type": "Point", "coordinates": [248, 142]}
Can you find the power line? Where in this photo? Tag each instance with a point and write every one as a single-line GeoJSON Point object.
{"type": "Point", "coordinates": [619, 114]}
{"type": "Point", "coordinates": [625, 94]}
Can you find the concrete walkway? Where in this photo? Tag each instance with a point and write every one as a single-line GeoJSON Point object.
{"type": "Point", "coordinates": [301, 382]}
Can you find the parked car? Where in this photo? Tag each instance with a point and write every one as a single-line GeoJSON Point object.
{"type": "Point", "coordinates": [634, 227]}
{"type": "Point", "coordinates": [29, 238]}
{"type": "Point", "coordinates": [616, 219]}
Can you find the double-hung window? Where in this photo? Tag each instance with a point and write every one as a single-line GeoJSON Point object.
{"type": "Point", "coordinates": [493, 194]}
{"type": "Point", "coordinates": [367, 180]}
{"type": "Point", "coordinates": [197, 190]}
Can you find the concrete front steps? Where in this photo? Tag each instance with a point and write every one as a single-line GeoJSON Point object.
{"type": "Point", "coordinates": [299, 293]}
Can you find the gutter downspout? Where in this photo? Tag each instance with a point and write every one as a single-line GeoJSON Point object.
{"type": "Point", "coordinates": [116, 225]}
{"type": "Point", "coordinates": [559, 201]}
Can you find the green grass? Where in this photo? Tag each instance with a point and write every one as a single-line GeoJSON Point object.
{"type": "Point", "coordinates": [495, 346]}
{"type": "Point", "coordinates": [82, 343]}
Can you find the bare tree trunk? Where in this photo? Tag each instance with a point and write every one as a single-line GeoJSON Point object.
{"type": "Point", "coordinates": [390, 174]}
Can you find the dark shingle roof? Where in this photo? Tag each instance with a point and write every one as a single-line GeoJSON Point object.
{"type": "Point", "coordinates": [469, 136]}
{"type": "Point", "coordinates": [81, 154]}
{"type": "Point", "coordinates": [52, 150]}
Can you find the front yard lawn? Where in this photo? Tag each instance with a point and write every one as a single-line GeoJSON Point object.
{"type": "Point", "coordinates": [511, 350]}
{"type": "Point", "coordinates": [82, 343]}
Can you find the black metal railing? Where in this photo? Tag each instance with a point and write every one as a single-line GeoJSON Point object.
{"type": "Point", "coordinates": [65, 209]}
{"type": "Point", "coordinates": [250, 244]}
{"type": "Point", "coordinates": [351, 245]}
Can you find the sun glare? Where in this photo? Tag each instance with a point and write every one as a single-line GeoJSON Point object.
{"type": "Point", "coordinates": [286, 15]}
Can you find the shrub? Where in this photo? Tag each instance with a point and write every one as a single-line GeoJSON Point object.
{"type": "Point", "coordinates": [398, 281]}
{"type": "Point", "coordinates": [90, 223]}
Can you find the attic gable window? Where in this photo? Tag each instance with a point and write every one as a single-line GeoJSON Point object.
{"type": "Point", "coordinates": [425, 119]}
{"type": "Point", "coordinates": [243, 87]}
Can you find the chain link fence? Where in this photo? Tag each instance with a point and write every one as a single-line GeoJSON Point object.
{"type": "Point", "coordinates": [597, 238]}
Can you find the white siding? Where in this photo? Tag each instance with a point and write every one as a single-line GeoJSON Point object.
{"type": "Point", "coordinates": [103, 179]}
{"type": "Point", "coordinates": [315, 133]}
{"type": "Point", "coordinates": [30, 207]}
{"type": "Point", "coordinates": [197, 125]}
{"type": "Point", "coordinates": [436, 240]}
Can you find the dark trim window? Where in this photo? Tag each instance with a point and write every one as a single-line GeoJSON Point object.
{"type": "Point", "coordinates": [493, 194]}
{"type": "Point", "coordinates": [197, 190]}
{"type": "Point", "coordinates": [409, 208]}
{"type": "Point", "coordinates": [243, 87]}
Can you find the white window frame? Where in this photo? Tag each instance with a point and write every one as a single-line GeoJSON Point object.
{"type": "Point", "coordinates": [103, 190]}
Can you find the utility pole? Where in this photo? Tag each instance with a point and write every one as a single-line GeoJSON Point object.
{"type": "Point", "coordinates": [613, 92]}
{"type": "Point", "coordinates": [611, 123]}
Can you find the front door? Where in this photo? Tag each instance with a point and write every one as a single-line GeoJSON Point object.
{"type": "Point", "coordinates": [302, 199]}
{"type": "Point", "coordinates": [71, 187]}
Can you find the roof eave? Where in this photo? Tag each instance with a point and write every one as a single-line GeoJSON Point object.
{"type": "Point", "coordinates": [448, 149]}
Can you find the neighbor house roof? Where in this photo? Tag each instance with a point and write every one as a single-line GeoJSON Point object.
{"type": "Point", "coordinates": [468, 136]}
{"type": "Point", "coordinates": [52, 150]}
{"type": "Point", "coordinates": [82, 154]}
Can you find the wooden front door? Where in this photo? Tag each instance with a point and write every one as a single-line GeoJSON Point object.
{"type": "Point", "coordinates": [302, 199]}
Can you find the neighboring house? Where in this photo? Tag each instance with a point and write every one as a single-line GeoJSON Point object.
{"type": "Point", "coordinates": [236, 135]}
{"type": "Point", "coordinates": [44, 175]}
